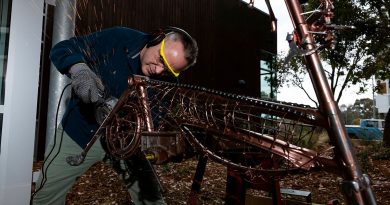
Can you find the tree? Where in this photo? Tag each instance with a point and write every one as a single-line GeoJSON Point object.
{"type": "Point", "coordinates": [378, 61]}
{"type": "Point", "coordinates": [358, 54]}
{"type": "Point", "coordinates": [386, 131]}
{"type": "Point", "coordinates": [361, 109]}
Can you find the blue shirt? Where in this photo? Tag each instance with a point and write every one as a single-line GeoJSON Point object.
{"type": "Point", "coordinates": [113, 54]}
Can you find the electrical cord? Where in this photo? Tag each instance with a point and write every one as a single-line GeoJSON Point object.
{"type": "Point", "coordinates": [44, 170]}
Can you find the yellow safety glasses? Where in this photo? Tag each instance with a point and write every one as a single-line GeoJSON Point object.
{"type": "Point", "coordinates": [165, 60]}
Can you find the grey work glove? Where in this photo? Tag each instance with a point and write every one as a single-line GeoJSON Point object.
{"type": "Point", "coordinates": [86, 84]}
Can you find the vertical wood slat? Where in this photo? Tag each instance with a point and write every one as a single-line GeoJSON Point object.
{"type": "Point", "coordinates": [230, 35]}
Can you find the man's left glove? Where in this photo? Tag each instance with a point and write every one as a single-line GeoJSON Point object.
{"type": "Point", "coordinates": [86, 84]}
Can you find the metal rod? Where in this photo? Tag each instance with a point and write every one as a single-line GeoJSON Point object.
{"type": "Point", "coordinates": [63, 28]}
{"type": "Point", "coordinates": [337, 133]}
{"type": "Point", "coordinates": [197, 181]}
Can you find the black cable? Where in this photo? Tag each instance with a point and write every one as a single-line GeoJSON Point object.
{"type": "Point", "coordinates": [44, 171]}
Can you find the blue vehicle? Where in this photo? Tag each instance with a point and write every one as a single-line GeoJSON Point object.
{"type": "Point", "coordinates": [369, 129]}
{"type": "Point", "coordinates": [378, 123]}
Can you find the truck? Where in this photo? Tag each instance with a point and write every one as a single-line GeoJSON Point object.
{"type": "Point", "coordinates": [369, 129]}
{"type": "Point", "coordinates": [378, 123]}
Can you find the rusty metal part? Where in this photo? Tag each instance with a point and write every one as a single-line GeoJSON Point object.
{"type": "Point", "coordinates": [221, 125]}
{"type": "Point", "coordinates": [336, 129]}
{"type": "Point", "coordinates": [298, 156]}
{"type": "Point", "coordinates": [268, 125]}
{"type": "Point", "coordinates": [150, 108]}
{"type": "Point", "coordinates": [197, 181]}
{"type": "Point", "coordinates": [123, 132]}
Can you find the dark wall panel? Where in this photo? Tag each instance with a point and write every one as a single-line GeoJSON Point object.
{"type": "Point", "coordinates": [229, 33]}
{"type": "Point", "coordinates": [244, 32]}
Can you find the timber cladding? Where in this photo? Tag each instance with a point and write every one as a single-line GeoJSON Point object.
{"type": "Point", "coordinates": [231, 36]}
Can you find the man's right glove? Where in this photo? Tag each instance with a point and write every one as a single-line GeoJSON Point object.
{"type": "Point", "coordinates": [86, 84]}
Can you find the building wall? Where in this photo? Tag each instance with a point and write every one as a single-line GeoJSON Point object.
{"type": "Point", "coordinates": [382, 99]}
{"type": "Point", "coordinates": [231, 36]}
{"type": "Point", "coordinates": [232, 39]}
{"type": "Point", "coordinates": [244, 38]}
{"type": "Point", "coordinates": [20, 101]}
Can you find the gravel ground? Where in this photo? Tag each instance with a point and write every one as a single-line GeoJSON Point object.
{"type": "Point", "coordinates": [100, 184]}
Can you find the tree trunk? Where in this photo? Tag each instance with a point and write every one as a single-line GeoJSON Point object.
{"type": "Point", "coordinates": [386, 132]}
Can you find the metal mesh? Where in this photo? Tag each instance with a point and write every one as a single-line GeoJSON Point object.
{"type": "Point", "coordinates": [235, 130]}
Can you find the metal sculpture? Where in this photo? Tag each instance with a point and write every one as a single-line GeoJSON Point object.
{"type": "Point", "coordinates": [163, 119]}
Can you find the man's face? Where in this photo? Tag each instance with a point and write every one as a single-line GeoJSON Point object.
{"type": "Point", "coordinates": [152, 62]}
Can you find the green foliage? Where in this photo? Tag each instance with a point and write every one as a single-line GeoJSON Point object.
{"type": "Point", "coordinates": [383, 153]}
{"type": "Point", "coordinates": [364, 160]}
{"type": "Point", "coordinates": [356, 121]}
{"type": "Point", "coordinates": [359, 53]}
{"type": "Point", "coordinates": [166, 168]}
{"type": "Point", "coordinates": [368, 151]}
{"type": "Point", "coordinates": [361, 109]}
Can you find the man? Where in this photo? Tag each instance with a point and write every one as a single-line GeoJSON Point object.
{"type": "Point", "coordinates": [99, 65]}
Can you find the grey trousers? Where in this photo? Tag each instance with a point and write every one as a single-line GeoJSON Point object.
{"type": "Point", "coordinates": [60, 176]}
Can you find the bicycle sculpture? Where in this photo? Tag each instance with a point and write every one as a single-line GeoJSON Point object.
{"type": "Point", "coordinates": [164, 119]}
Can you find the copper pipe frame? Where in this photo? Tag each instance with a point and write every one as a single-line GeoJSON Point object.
{"type": "Point", "coordinates": [197, 111]}
{"type": "Point", "coordinates": [356, 186]}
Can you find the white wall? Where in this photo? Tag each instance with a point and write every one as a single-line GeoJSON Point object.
{"type": "Point", "coordinates": [21, 92]}
{"type": "Point", "coordinates": [382, 102]}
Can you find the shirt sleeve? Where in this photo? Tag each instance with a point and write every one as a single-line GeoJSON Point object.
{"type": "Point", "coordinates": [84, 49]}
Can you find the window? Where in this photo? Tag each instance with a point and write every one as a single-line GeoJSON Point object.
{"type": "Point", "coordinates": [267, 76]}
{"type": "Point", "coordinates": [5, 11]}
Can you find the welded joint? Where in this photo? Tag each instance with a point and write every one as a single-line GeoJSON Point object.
{"type": "Point", "coordinates": [355, 186]}
{"type": "Point", "coordinates": [332, 107]}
